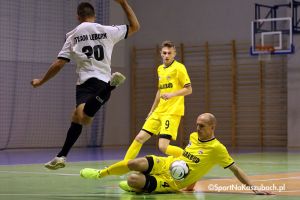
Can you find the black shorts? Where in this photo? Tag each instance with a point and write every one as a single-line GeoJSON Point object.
{"type": "Point", "coordinates": [89, 88]}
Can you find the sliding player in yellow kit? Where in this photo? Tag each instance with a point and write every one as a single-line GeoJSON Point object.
{"type": "Point", "coordinates": [168, 107]}
{"type": "Point", "coordinates": [151, 173]}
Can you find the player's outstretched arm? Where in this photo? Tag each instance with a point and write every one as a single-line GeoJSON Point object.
{"type": "Point", "coordinates": [243, 178]}
{"type": "Point", "coordinates": [134, 24]}
{"type": "Point", "coordinates": [55, 67]}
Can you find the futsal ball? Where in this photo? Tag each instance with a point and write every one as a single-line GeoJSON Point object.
{"type": "Point", "coordinates": [179, 170]}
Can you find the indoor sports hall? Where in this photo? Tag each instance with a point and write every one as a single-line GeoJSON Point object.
{"type": "Point", "coordinates": [243, 59]}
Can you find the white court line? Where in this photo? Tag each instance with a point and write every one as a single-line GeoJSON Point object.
{"type": "Point", "coordinates": [65, 174]}
{"type": "Point", "coordinates": [69, 162]}
{"type": "Point", "coordinates": [38, 173]}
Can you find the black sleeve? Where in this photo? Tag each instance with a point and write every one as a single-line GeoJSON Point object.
{"type": "Point", "coordinates": [63, 58]}
{"type": "Point", "coordinates": [126, 35]}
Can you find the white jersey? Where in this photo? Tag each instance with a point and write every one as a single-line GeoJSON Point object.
{"type": "Point", "coordinates": [91, 45]}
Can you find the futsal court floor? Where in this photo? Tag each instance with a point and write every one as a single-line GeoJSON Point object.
{"type": "Point", "coordinates": [22, 176]}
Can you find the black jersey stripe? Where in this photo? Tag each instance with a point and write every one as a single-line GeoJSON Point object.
{"type": "Point", "coordinates": [165, 136]}
{"type": "Point", "coordinates": [127, 27]}
{"type": "Point", "coordinates": [229, 165]}
{"type": "Point", "coordinates": [148, 132]}
{"type": "Point", "coordinates": [63, 58]}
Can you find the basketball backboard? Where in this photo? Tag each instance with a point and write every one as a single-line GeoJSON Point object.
{"type": "Point", "coordinates": [273, 29]}
{"type": "Point", "coordinates": [275, 33]}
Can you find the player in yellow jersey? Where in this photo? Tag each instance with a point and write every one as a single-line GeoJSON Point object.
{"type": "Point", "coordinates": [168, 107]}
{"type": "Point", "coordinates": [152, 174]}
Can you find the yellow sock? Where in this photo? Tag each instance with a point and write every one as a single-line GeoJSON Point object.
{"type": "Point", "coordinates": [118, 168]}
{"type": "Point", "coordinates": [174, 151]}
{"type": "Point", "coordinates": [133, 150]}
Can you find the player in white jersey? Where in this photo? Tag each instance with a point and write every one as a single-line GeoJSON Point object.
{"type": "Point", "coordinates": [90, 45]}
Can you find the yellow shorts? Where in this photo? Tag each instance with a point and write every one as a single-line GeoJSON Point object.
{"type": "Point", "coordinates": [160, 171]}
{"type": "Point", "coordinates": [164, 125]}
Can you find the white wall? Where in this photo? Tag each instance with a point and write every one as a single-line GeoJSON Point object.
{"type": "Point", "coordinates": [193, 21]}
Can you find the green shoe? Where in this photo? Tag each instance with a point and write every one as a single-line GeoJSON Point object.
{"type": "Point", "coordinates": [124, 186]}
{"type": "Point", "coordinates": [90, 173]}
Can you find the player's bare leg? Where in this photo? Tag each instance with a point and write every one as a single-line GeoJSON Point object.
{"type": "Point", "coordinates": [163, 143]}
{"type": "Point", "coordinates": [135, 183]}
{"type": "Point", "coordinates": [166, 148]}
{"type": "Point", "coordinates": [81, 117]}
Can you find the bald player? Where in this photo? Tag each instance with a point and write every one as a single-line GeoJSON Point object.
{"type": "Point", "coordinates": [151, 173]}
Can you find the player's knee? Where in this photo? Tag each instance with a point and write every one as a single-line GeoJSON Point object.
{"type": "Point", "coordinates": [75, 118]}
{"type": "Point", "coordinates": [86, 121]}
{"type": "Point", "coordinates": [133, 164]}
{"type": "Point", "coordinates": [138, 164]}
{"type": "Point", "coordinates": [139, 138]}
{"type": "Point", "coordinates": [142, 137]}
{"type": "Point", "coordinates": [132, 180]}
{"type": "Point", "coordinates": [163, 147]}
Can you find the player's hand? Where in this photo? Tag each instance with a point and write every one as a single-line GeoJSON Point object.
{"type": "Point", "coordinates": [166, 96]}
{"type": "Point", "coordinates": [36, 83]}
{"type": "Point", "coordinates": [258, 192]}
{"type": "Point", "coordinates": [189, 188]}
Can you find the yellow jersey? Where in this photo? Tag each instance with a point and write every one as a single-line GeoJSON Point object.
{"type": "Point", "coordinates": [171, 79]}
{"type": "Point", "coordinates": [201, 156]}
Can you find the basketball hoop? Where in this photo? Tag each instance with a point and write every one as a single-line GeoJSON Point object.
{"type": "Point", "coordinates": [265, 52]}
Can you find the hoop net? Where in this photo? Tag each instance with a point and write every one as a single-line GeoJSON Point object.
{"type": "Point", "coordinates": [265, 53]}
